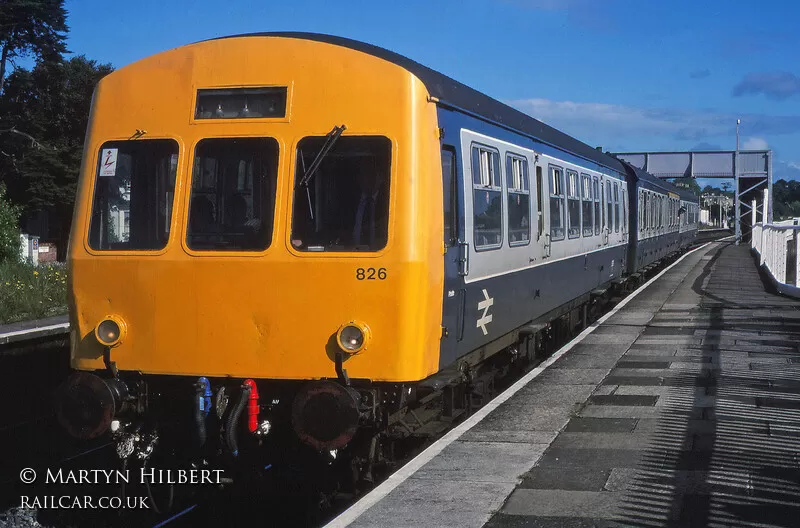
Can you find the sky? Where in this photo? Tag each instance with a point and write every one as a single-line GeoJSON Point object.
{"type": "Point", "coordinates": [627, 75]}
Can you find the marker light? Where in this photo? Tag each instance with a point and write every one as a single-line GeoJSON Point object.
{"type": "Point", "coordinates": [110, 331]}
{"type": "Point", "coordinates": [353, 337]}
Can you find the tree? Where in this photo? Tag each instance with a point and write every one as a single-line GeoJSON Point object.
{"type": "Point", "coordinates": [9, 228]}
{"type": "Point", "coordinates": [31, 28]}
{"type": "Point", "coordinates": [51, 103]}
{"type": "Point", "coordinates": [688, 183]}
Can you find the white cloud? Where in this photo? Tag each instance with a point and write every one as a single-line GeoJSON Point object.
{"type": "Point", "coordinates": [755, 143]}
{"type": "Point", "coordinates": [603, 123]}
{"type": "Point", "coordinates": [794, 165]}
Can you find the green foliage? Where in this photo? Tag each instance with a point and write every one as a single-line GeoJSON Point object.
{"type": "Point", "coordinates": [50, 103]}
{"type": "Point", "coordinates": [716, 191]}
{"type": "Point", "coordinates": [688, 183]}
{"type": "Point", "coordinates": [9, 229]}
{"type": "Point", "coordinates": [785, 199]}
{"type": "Point", "coordinates": [27, 292]}
{"type": "Point", "coordinates": [31, 28]}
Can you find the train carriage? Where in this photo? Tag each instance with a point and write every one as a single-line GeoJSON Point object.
{"type": "Point", "coordinates": [297, 233]}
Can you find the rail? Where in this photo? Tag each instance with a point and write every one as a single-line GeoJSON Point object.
{"type": "Point", "coordinates": [778, 248]}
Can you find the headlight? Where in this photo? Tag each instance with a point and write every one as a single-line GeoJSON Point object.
{"type": "Point", "coordinates": [110, 331]}
{"type": "Point", "coordinates": [353, 337]}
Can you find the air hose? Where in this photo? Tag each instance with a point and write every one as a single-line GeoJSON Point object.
{"type": "Point", "coordinates": [231, 433]}
{"type": "Point", "coordinates": [201, 410]}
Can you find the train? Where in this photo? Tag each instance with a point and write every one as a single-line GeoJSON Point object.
{"type": "Point", "coordinates": [294, 244]}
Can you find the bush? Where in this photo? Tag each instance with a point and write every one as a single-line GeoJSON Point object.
{"type": "Point", "coordinates": [9, 228]}
{"type": "Point", "coordinates": [28, 292]}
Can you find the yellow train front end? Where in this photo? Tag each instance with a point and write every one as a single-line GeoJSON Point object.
{"type": "Point", "coordinates": [253, 213]}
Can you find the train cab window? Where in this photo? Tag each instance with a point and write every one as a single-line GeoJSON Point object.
{"type": "Point", "coordinates": [573, 204]}
{"type": "Point", "coordinates": [556, 203]}
{"type": "Point", "coordinates": [616, 208]}
{"type": "Point", "coordinates": [450, 196]}
{"type": "Point", "coordinates": [609, 206]}
{"type": "Point", "coordinates": [596, 193]}
{"type": "Point", "coordinates": [519, 204]}
{"type": "Point", "coordinates": [586, 204]}
{"type": "Point", "coordinates": [232, 202]}
{"type": "Point", "coordinates": [539, 205]}
{"type": "Point", "coordinates": [343, 205]}
{"type": "Point", "coordinates": [487, 194]}
{"type": "Point", "coordinates": [133, 195]}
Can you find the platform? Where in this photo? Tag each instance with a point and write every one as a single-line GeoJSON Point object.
{"type": "Point", "coordinates": [682, 408]}
{"type": "Point", "coordinates": [27, 330]}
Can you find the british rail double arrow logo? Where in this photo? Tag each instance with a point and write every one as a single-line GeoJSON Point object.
{"type": "Point", "coordinates": [484, 305]}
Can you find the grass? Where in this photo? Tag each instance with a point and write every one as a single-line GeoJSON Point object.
{"type": "Point", "coordinates": [29, 292]}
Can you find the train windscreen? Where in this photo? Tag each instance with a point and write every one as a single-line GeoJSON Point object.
{"type": "Point", "coordinates": [343, 205]}
{"type": "Point", "coordinates": [133, 195]}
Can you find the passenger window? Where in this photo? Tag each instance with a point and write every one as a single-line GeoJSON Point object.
{"type": "Point", "coordinates": [596, 193]}
{"type": "Point", "coordinates": [573, 204]}
{"type": "Point", "coordinates": [586, 204]}
{"type": "Point", "coordinates": [640, 212]}
{"type": "Point", "coordinates": [556, 203]}
{"type": "Point", "coordinates": [519, 204]}
{"type": "Point", "coordinates": [450, 196]}
{"type": "Point", "coordinates": [616, 207]}
{"type": "Point", "coordinates": [487, 202]}
{"type": "Point", "coordinates": [133, 195]}
{"type": "Point", "coordinates": [344, 204]}
{"type": "Point", "coordinates": [609, 206]}
{"type": "Point", "coordinates": [539, 199]}
{"type": "Point", "coordinates": [232, 201]}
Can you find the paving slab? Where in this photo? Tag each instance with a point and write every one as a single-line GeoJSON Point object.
{"type": "Point", "coordinates": [682, 409]}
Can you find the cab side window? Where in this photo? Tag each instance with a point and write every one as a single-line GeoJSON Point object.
{"type": "Point", "coordinates": [450, 196]}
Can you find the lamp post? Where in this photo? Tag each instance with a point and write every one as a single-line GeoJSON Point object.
{"type": "Point", "coordinates": [736, 163]}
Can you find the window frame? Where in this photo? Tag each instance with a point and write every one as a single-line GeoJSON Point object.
{"type": "Point", "coordinates": [174, 224]}
{"type": "Point", "coordinates": [588, 200]}
{"type": "Point", "coordinates": [497, 173]}
{"type": "Point", "coordinates": [568, 173]}
{"type": "Point", "coordinates": [551, 170]}
{"type": "Point", "coordinates": [216, 252]}
{"type": "Point", "coordinates": [525, 180]}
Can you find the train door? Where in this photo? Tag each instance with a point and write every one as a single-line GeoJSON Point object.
{"type": "Point", "coordinates": [605, 202]}
{"type": "Point", "coordinates": [456, 255]}
{"type": "Point", "coordinates": [542, 224]}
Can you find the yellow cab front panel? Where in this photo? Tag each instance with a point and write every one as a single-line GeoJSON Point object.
{"type": "Point", "coordinates": [197, 310]}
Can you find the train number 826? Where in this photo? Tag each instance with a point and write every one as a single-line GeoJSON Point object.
{"type": "Point", "coordinates": [371, 274]}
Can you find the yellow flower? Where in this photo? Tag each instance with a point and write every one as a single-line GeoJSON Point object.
{"type": "Point", "coordinates": [35, 273]}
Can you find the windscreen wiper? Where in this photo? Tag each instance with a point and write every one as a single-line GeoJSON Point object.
{"type": "Point", "coordinates": [330, 141]}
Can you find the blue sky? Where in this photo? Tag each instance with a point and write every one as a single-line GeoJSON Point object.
{"type": "Point", "coordinates": [628, 75]}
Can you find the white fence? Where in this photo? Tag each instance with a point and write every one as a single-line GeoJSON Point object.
{"type": "Point", "coordinates": [778, 247]}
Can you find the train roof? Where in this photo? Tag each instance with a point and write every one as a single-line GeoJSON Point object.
{"type": "Point", "coordinates": [642, 175]}
{"type": "Point", "coordinates": [462, 97]}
